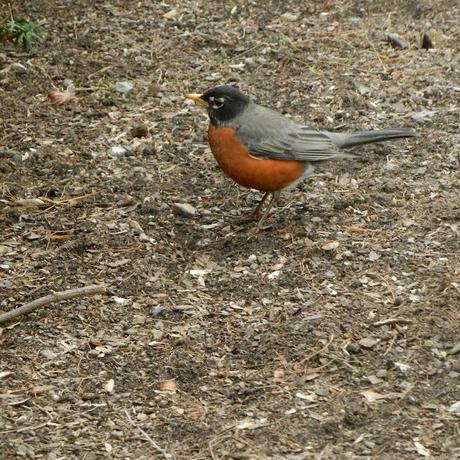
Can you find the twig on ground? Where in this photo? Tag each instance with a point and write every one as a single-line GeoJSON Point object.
{"type": "Point", "coordinates": [76, 198]}
{"type": "Point", "coordinates": [148, 438]}
{"type": "Point", "coordinates": [99, 71]}
{"type": "Point", "coordinates": [27, 428]}
{"type": "Point", "coordinates": [393, 340]}
{"type": "Point", "coordinates": [52, 298]}
{"type": "Point", "coordinates": [318, 352]}
{"type": "Point", "coordinates": [376, 52]}
{"type": "Point", "coordinates": [383, 322]}
{"type": "Point", "coordinates": [10, 8]}
{"type": "Point", "coordinates": [69, 201]}
{"type": "Point", "coordinates": [46, 202]}
{"type": "Point", "coordinates": [218, 439]}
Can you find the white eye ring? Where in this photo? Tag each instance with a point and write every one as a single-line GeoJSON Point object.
{"type": "Point", "coordinates": [218, 103]}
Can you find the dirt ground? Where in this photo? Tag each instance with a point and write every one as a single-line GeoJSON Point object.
{"type": "Point", "coordinates": [332, 334]}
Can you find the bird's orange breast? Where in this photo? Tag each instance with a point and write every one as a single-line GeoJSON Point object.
{"type": "Point", "coordinates": [262, 174]}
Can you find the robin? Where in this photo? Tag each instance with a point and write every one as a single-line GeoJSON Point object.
{"type": "Point", "coordinates": [264, 150]}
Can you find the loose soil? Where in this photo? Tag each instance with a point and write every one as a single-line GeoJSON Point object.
{"type": "Point", "coordinates": [334, 333]}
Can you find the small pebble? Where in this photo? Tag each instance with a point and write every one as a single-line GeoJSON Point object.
{"type": "Point", "coordinates": [184, 209]}
{"type": "Point", "coordinates": [148, 150]}
{"type": "Point", "coordinates": [68, 83]}
{"type": "Point", "coordinates": [396, 42]}
{"type": "Point", "coordinates": [33, 236]}
{"type": "Point", "coordinates": [289, 17]}
{"type": "Point", "coordinates": [154, 89]}
{"type": "Point", "coordinates": [455, 408]}
{"type": "Point", "coordinates": [22, 450]}
{"type": "Point", "coordinates": [118, 151]}
{"type": "Point", "coordinates": [374, 380]}
{"type": "Point", "coordinates": [353, 348]}
{"type": "Point", "coordinates": [427, 43]}
{"type": "Point", "coordinates": [47, 353]}
{"type": "Point", "coordinates": [19, 68]}
{"type": "Point", "coordinates": [139, 131]}
{"type": "Point", "coordinates": [123, 87]}
{"type": "Point", "coordinates": [321, 391]}
{"type": "Point", "coordinates": [368, 342]}
{"type": "Point", "coordinates": [329, 291]}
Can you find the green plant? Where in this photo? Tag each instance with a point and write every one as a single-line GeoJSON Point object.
{"type": "Point", "coordinates": [21, 32]}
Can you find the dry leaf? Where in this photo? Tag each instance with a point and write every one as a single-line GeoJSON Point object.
{"type": "Point", "coordinates": [61, 97]}
{"type": "Point", "coordinates": [368, 342]}
{"type": "Point", "coordinates": [330, 246]}
{"type": "Point", "coordinates": [40, 389]}
{"type": "Point", "coordinates": [28, 202]}
{"type": "Point", "coordinates": [119, 263]}
{"type": "Point", "coordinates": [374, 379]}
{"type": "Point", "coordinates": [274, 275]}
{"type": "Point", "coordinates": [168, 385]}
{"type": "Point", "coordinates": [170, 14]}
{"type": "Point", "coordinates": [372, 396]}
{"type": "Point", "coordinates": [311, 375]}
{"type": "Point", "coordinates": [278, 375]}
{"type": "Point", "coordinates": [289, 17]}
{"type": "Point", "coordinates": [312, 397]}
{"type": "Point", "coordinates": [250, 424]}
{"type": "Point", "coordinates": [357, 229]}
{"type": "Point", "coordinates": [120, 300]}
{"type": "Point", "coordinates": [194, 413]}
{"type": "Point", "coordinates": [421, 449]}
{"type": "Point", "coordinates": [57, 237]}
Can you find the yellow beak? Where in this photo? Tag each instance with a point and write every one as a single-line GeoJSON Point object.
{"type": "Point", "coordinates": [196, 98]}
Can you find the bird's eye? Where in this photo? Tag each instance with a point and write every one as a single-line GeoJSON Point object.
{"type": "Point", "coordinates": [218, 103]}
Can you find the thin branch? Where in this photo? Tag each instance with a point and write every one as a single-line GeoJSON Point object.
{"type": "Point", "coordinates": [376, 52]}
{"type": "Point", "coordinates": [148, 438]}
{"type": "Point", "coordinates": [319, 352]}
{"type": "Point", "coordinates": [393, 340]}
{"type": "Point", "coordinates": [383, 322]}
{"type": "Point", "coordinates": [10, 7]}
{"type": "Point", "coordinates": [52, 298]}
{"type": "Point", "coordinates": [27, 428]}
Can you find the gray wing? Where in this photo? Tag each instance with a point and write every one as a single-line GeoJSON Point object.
{"type": "Point", "coordinates": [268, 134]}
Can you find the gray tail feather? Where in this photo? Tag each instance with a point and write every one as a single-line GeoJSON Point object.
{"type": "Point", "coordinates": [346, 140]}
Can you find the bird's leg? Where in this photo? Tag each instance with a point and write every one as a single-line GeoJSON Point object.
{"type": "Point", "coordinates": [275, 197]}
{"type": "Point", "coordinates": [256, 211]}
{"type": "Point", "coordinates": [254, 214]}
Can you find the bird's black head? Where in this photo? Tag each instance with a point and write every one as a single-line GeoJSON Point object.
{"type": "Point", "coordinates": [223, 103]}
